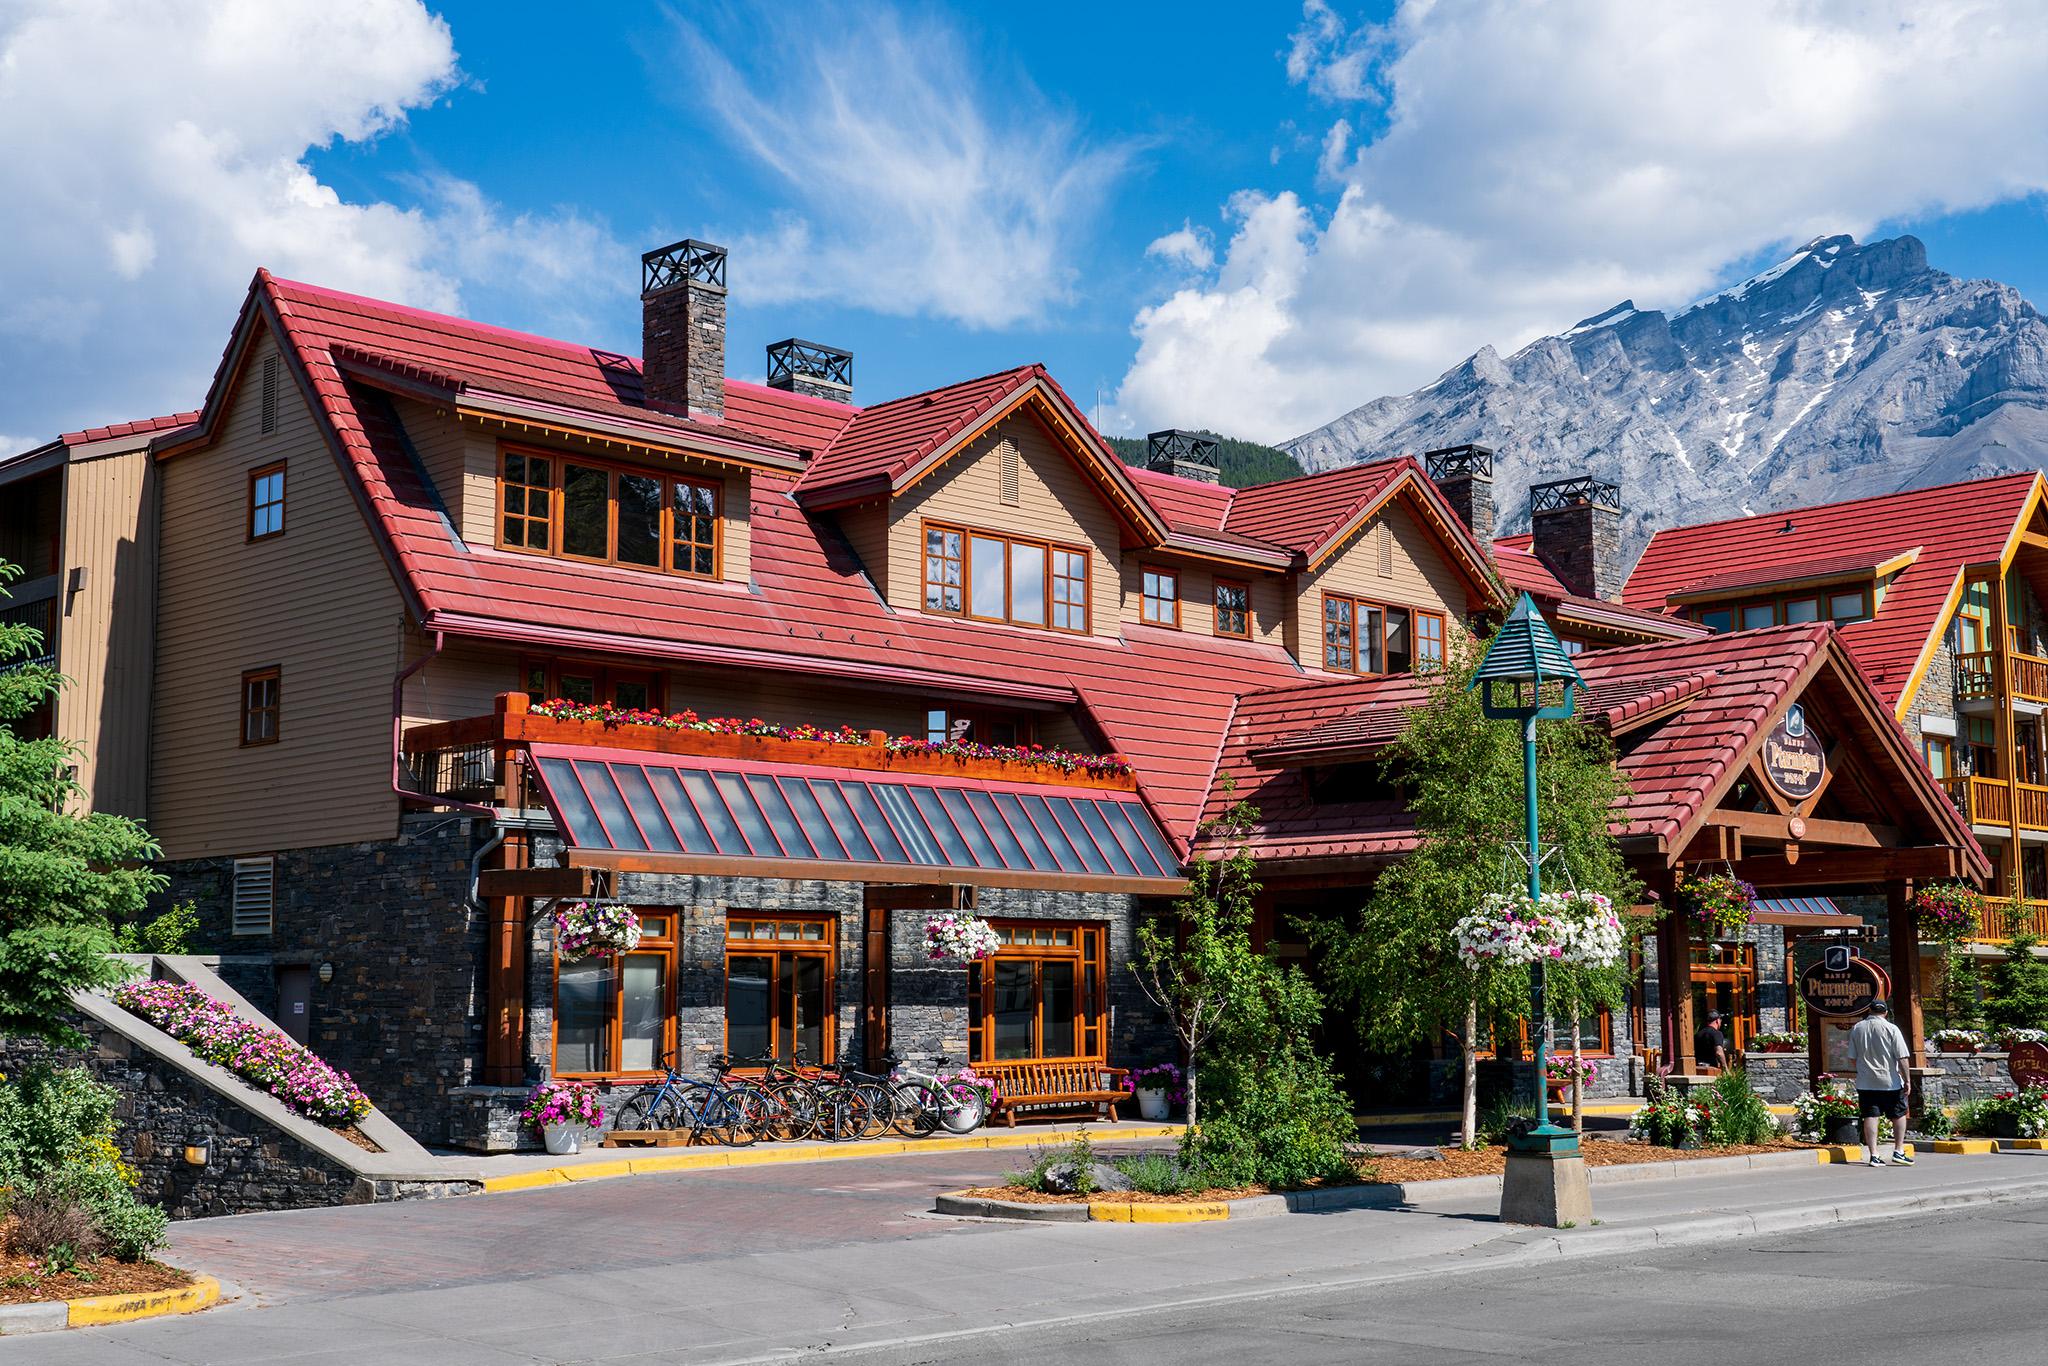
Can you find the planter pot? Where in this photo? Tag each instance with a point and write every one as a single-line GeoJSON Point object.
{"type": "Point", "coordinates": [563, 1139]}
{"type": "Point", "coordinates": [1780, 1047]}
{"type": "Point", "coordinates": [1845, 1131]}
{"type": "Point", "coordinates": [1959, 1048]}
{"type": "Point", "coordinates": [2005, 1126]}
{"type": "Point", "coordinates": [1152, 1103]}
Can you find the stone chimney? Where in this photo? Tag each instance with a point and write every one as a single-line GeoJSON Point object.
{"type": "Point", "coordinates": [1464, 475]}
{"type": "Point", "coordinates": [1576, 526]}
{"type": "Point", "coordinates": [682, 327]}
{"type": "Point", "coordinates": [1187, 454]}
{"type": "Point", "coordinates": [810, 368]}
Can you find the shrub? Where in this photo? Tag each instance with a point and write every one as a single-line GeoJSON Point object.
{"type": "Point", "coordinates": [1740, 1115]}
{"type": "Point", "coordinates": [46, 1219]}
{"type": "Point", "coordinates": [1162, 1174]}
{"type": "Point", "coordinates": [57, 1154]}
{"type": "Point", "coordinates": [1498, 1116]}
{"type": "Point", "coordinates": [1276, 1116]}
{"type": "Point", "coordinates": [2016, 988]}
{"type": "Point", "coordinates": [45, 1112]}
{"type": "Point", "coordinates": [1938, 1123]}
{"type": "Point", "coordinates": [169, 933]}
{"type": "Point", "coordinates": [1669, 1120]}
{"type": "Point", "coordinates": [130, 1231]}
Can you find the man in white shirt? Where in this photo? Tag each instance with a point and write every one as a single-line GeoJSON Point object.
{"type": "Point", "coordinates": [1882, 1083]}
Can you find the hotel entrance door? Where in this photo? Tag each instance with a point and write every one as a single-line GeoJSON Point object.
{"type": "Point", "coordinates": [1724, 979]}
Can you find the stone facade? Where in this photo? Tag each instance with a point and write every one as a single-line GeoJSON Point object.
{"type": "Point", "coordinates": [250, 1165]}
{"type": "Point", "coordinates": [403, 1014]}
{"type": "Point", "coordinates": [1582, 546]}
{"type": "Point", "coordinates": [682, 347]}
{"type": "Point", "coordinates": [1773, 997]}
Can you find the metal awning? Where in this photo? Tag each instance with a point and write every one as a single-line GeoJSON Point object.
{"type": "Point", "coordinates": [1804, 911]}
{"type": "Point", "coordinates": [636, 811]}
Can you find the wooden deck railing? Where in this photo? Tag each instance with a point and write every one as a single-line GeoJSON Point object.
{"type": "Point", "coordinates": [1989, 801]}
{"type": "Point", "coordinates": [2029, 677]}
{"type": "Point", "coordinates": [2026, 676]}
{"type": "Point", "coordinates": [1999, 922]}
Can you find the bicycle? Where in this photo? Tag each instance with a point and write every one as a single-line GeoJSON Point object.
{"type": "Point", "coordinates": [679, 1101]}
{"type": "Point", "coordinates": [929, 1101]}
{"type": "Point", "coordinates": [852, 1103]}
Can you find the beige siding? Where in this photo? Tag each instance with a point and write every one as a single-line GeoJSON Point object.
{"type": "Point", "coordinates": [1198, 596]}
{"type": "Point", "coordinates": [1054, 501]}
{"type": "Point", "coordinates": [461, 458]}
{"type": "Point", "coordinates": [1394, 559]}
{"type": "Point", "coordinates": [866, 529]}
{"type": "Point", "coordinates": [105, 628]}
{"type": "Point", "coordinates": [317, 601]}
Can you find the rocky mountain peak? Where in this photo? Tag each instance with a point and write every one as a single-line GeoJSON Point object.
{"type": "Point", "coordinates": [1843, 370]}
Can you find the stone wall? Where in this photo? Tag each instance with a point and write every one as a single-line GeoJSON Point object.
{"type": "Point", "coordinates": [403, 1014]}
{"type": "Point", "coordinates": [1956, 1077]}
{"type": "Point", "coordinates": [251, 1164]}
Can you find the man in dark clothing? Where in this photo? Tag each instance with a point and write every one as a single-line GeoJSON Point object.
{"type": "Point", "coordinates": [1710, 1045]}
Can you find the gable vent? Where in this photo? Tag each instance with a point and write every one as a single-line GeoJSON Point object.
{"type": "Point", "coordinates": [1383, 535]}
{"type": "Point", "coordinates": [1006, 458]}
{"type": "Point", "coordinates": [269, 394]}
{"type": "Point", "coordinates": [255, 881]}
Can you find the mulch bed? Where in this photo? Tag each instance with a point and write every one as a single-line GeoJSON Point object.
{"type": "Point", "coordinates": [359, 1138]}
{"type": "Point", "coordinates": [1376, 1170]}
{"type": "Point", "coordinates": [19, 1283]}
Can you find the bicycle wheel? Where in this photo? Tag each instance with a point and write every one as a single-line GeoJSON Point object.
{"type": "Point", "coordinates": [917, 1108]}
{"type": "Point", "coordinates": [881, 1109]}
{"type": "Point", "coordinates": [742, 1116]}
{"type": "Point", "coordinates": [797, 1108]}
{"type": "Point", "coordinates": [637, 1114]}
{"type": "Point", "coordinates": [693, 1106]}
{"type": "Point", "coordinates": [844, 1111]}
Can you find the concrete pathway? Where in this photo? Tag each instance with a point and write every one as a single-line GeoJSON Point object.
{"type": "Point", "coordinates": [761, 1263]}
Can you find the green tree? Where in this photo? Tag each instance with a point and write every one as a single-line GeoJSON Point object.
{"type": "Point", "coordinates": [1396, 961]}
{"type": "Point", "coordinates": [1241, 463]}
{"type": "Point", "coordinates": [2016, 987]}
{"type": "Point", "coordinates": [67, 877]}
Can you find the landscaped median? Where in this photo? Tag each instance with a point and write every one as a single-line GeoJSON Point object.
{"type": "Point", "coordinates": [45, 1316]}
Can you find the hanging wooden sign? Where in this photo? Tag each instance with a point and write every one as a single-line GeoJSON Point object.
{"type": "Point", "coordinates": [2028, 1063]}
{"type": "Point", "coordinates": [1792, 759]}
{"type": "Point", "coordinates": [1842, 984]}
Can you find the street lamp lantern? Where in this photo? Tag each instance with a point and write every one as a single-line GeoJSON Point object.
{"type": "Point", "coordinates": [1526, 675]}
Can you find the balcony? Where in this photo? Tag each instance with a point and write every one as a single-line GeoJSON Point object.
{"type": "Point", "coordinates": [1977, 681]}
{"type": "Point", "coordinates": [1999, 923]}
{"type": "Point", "coordinates": [34, 604]}
{"type": "Point", "coordinates": [1987, 803]}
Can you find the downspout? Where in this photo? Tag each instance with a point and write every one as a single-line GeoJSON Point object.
{"type": "Point", "coordinates": [398, 734]}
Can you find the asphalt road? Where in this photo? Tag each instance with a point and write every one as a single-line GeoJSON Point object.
{"type": "Point", "coordinates": [794, 1262]}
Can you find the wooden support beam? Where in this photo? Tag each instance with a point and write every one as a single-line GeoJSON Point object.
{"type": "Point", "coordinates": [1826, 867]}
{"type": "Point", "coordinates": [505, 963]}
{"type": "Point", "coordinates": [534, 882]}
{"type": "Point", "coordinates": [2034, 539]}
{"type": "Point", "coordinates": [1805, 829]}
{"type": "Point", "coordinates": [954, 896]}
{"type": "Point", "coordinates": [1905, 940]}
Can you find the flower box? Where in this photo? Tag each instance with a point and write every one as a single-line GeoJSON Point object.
{"type": "Point", "coordinates": [1778, 1048]}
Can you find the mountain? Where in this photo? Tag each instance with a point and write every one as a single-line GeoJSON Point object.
{"type": "Point", "coordinates": [1842, 371]}
{"type": "Point", "coordinates": [1240, 463]}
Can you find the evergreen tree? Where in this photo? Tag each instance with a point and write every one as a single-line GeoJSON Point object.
{"type": "Point", "coordinates": [2016, 987]}
{"type": "Point", "coordinates": [1396, 961]}
{"type": "Point", "coordinates": [1241, 464]}
{"type": "Point", "coordinates": [67, 877]}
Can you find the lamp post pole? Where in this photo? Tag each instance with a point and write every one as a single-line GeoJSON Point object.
{"type": "Point", "coordinates": [1539, 1023]}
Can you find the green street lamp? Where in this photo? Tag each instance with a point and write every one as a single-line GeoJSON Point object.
{"type": "Point", "coordinates": [1525, 675]}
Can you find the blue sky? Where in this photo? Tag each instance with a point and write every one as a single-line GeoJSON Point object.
{"type": "Point", "coordinates": [1246, 217]}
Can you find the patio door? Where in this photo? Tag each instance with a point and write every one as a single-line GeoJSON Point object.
{"type": "Point", "coordinates": [1724, 980]}
{"type": "Point", "coordinates": [778, 989]}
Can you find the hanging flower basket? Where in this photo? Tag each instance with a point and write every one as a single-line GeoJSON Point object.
{"type": "Point", "coordinates": [594, 929]}
{"type": "Point", "coordinates": [1948, 912]}
{"type": "Point", "coordinates": [1719, 903]}
{"type": "Point", "coordinates": [1508, 928]}
{"type": "Point", "coordinates": [959, 939]}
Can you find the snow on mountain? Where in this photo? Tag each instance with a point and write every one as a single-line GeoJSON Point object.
{"type": "Point", "coordinates": [1842, 371]}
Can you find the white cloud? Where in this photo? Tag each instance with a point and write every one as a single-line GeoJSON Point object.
{"type": "Point", "coordinates": [1186, 246]}
{"type": "Point", "coordinates": [151, 157]}
{"type": "Point", "coordinates": [1539, 163]}
{"type": "Point", "coordinates": [920, 180]}
{"type": "Point", "coordinates": [1331, 58]}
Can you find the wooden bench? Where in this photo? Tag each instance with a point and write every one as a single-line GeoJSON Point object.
{"type": "Point", "coordinates": [1049, 1084]}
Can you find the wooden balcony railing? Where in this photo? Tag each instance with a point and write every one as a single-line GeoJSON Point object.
{"type": "Point", "coordinates": [33, 604]}
{"type": "Point", "coordinates": [1977, 675]}
{"type": "Point", "coordinates": [1999, 918]}
{"type": "Point", "coordinates": [1989, 801]}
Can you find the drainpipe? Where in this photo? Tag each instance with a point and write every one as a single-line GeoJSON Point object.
{"type": "Point", "coordinates": [397, 738]}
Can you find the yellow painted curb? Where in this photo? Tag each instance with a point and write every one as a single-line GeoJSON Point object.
{"type": "Point", "coordinates": [98, 1309]}
{"type": "Point", "coordinates": [2025, 1145]}
{"type": "Point", "coordinates": [1850, 1152]}
{"type": "Point", "coordinates": [771, 1154]}
{"type": "Point", "coordinates": [1131, 1212]}
{"type": "Point", "coordinates": [1964, 1145]}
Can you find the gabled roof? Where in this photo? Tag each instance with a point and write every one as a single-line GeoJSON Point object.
{"type": "Point", "coordinates": [147, 426]}
{"type": "Point", "coordinates": [91, 442]}
{"type": "Point", "coordinates": [1953, 527]}
{"type": "Point", "coordinates": [1795, 574]}
{"type": "Point", "coordinates": [1715, 694]}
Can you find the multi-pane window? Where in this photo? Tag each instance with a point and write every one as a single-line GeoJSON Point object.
{"type": "Point", "coordinates": [1233, 608]}
{"type": "Point", "coordinates": [1003, 578]}
{"type": "Point", "coordinates": [778, 988]}
{"type": "Point", "coordinates": [262, 696]}
{"type": "Point", "coordinates": [1371, 638]}
{"type": "Point", "coordinates": [266, 502]}
{"type": "Point", "coordinates": [576, 681]}
{"type": "Point", "coordinates": [612, 515]}
{"type": "Point", "coordinates": [1161, 597]}
{"type": "Point", "coordinates": [1841, 606]}
{"type": "Point", "coordinates": [1041, 996]}
{"type": "Point", "coordinates": [617, 1015]}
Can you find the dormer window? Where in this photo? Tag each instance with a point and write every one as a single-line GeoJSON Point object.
{"type": "Point", "coordinates": [989, 577]}
{"type": "Point", "coordinates": [1373, 638]}
{"type": "Point", "coordinates": [608, 514]}
{"type": "Point", "coordinates": [1161, 604]}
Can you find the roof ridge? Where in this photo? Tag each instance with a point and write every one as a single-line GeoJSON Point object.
{"type": "Point", "coordinates": [1763, 519]}
{"type": "Point", "coordinates": [413, 310]}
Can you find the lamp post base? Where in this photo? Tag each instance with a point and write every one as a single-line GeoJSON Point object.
{"type": "Point", "coordinates": [1547, 1188]}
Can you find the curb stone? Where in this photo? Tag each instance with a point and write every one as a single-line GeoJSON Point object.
{"type": "Point", "coordinates": [90, 1310]}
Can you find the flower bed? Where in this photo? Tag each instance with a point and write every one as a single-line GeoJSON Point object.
{"type": "Point", "coordinates": [259, 1054]}
{"type": "Point", "coordinates": [1029, 756]}
{"type": "Point", "coordinates": [1775, 1043]}
{"type": "Point", "coordinates": [32, 1280]}
{"type": "Point", "coordinates": [2008, 1114]}
{"type": "Point", "coordinates": [1957, 1040]}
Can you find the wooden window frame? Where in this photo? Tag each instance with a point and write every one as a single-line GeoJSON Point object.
{"type": "Point", "coordinates": [1357, 616]}
{"type": "Point", "coordinates": [1416, 616]}
{"type": "Point", "coordinates": [1602, 1014]}
{"type": "Point", "coordinates": [665, 540]}
{"type": "Point", "coordinates": [273, 674]}
{"type": "Point", "coordinates": [668, 947]}
{"type": "Point", "coordinates": [1049, 549]}
{"type": "Point", "coordinates": [1087, 582]}
{"type": "Point", "coordinates": [1735, 609]}
{"type": "Point", "coordinates": [606, 676]}
{"type": "Point", "coordinates": [1146, 597]}
{"type": "Point", "coordinates": [826, 947]}
{"type": "Point", "coordinates": [250, 534]}
{"type": "Point", "coordinates": [1216, 594]}
{"type": "Point", "coordinates": [1089, 948]}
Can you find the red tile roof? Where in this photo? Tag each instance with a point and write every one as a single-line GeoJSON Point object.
{"type": "Point", "coordinates": [1953, 526]}
{"type": "Point", "coordinates": [145, 427]}
{"type": "Point", "coordinates": [885, 442]}
{"type": "Point", "coordinates": [1304, 514]}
